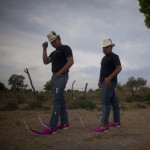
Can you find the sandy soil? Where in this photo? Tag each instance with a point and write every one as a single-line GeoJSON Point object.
{"type": "Point", "coordinates": [134, 134]}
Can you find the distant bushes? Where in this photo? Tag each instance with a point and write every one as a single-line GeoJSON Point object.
{"type": "Point", "coordinates": [25, 100]}
{"type": "Point", "coordinates": [41, 97]}
{"type": "Point", "coordinates": [81, 104]}
{"type": "Point", "coordinates": [20, 98]}
{"type": "Point", "coordinates": [10, 106]}
{"type": "Point", "coordinates": [141, 106]}
{"type": "Point", "coordinates": [35, 105]}
{"type": "Point", "coordinates": [138, 98]}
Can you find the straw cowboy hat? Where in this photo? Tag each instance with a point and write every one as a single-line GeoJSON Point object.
{"type": "Point", "coordinates": [52, 36]}
{"type": "Point", "coordinates": [107, 42]}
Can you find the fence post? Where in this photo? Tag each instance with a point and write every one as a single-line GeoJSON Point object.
{"type": "Point", "coordinates": [85, 90]}
{"type": "Point", "coordinates": [72, 87]}
{"type": "Point", "coordinates": [27, 72]}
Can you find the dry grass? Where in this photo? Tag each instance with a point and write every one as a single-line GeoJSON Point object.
{"type": "Point", "coordinates": [134, 133]}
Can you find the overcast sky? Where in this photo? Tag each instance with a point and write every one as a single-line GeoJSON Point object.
{"type": "Point", "coordinates": [81, 24]}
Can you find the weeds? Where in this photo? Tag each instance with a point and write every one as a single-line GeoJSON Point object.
{"type": "Point", "coordinates": [35, 105]}
{"type": "Point", "coordinates": [25, 100]}
{"type": "Point", "coordinates": [137, 98]}
{"type": "Point", "coordinates": [123, 107]}
{"type": "Point", "coordinates": [20, 99]}
{"type": "Point", "coordinates": [85, 104]}
{"type": "Point", "coordinates": [10, 106]}
{"type": "Point", "coordinates": [141, 106]}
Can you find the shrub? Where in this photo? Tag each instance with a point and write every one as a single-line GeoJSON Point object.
{"type": "Point", "coordinates": [129, 99]}
{"type": "Point", "coordinates": [139, 106]}
{"type": "Point", "coordinates": [41, 97]}
{"type": "Point", "coordinates": [123, 107]}
{"type": "Point", "coordinates": [84, 104]}
{"type": "Point", "coordinates": [10, 106]}
{"type": "Point", "coordinates": [20, 99]}
{"type": "Point", "coordinates": [35, 105]}
{"type": "Point", "coordinates": [146, 98]}
{"type": "Point", "coordinates": [138, 98]}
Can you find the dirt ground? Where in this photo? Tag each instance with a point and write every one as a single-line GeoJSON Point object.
{"type": "Point", "coordinates": [134, 134]}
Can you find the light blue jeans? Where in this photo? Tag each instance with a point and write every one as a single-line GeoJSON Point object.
{"type": "Point", "coordinates": [108, 98]}
{"type": "Point", "coordinates": [58, 85]}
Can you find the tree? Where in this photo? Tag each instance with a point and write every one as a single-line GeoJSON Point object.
{"type": "Point", "coordinates": [135, 84]}
{"type": "Point", "coordinates": [140, 82]}
{"type": "Point", "coordinates": [119, 86]}
{"type": "Point", "coordinates": [145, 9]}
{"type": "Point", "coordinates": [17, 82]}
{"type": "Point", "coordinates": [90, 91]}
{"type": "Point", "coordinates": [131, 84]}
{"type": "Point", "coordinates": [47, 86]}
{"type": "Point", "coordinates": [2, 86]}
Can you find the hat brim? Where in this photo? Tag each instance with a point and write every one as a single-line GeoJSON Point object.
{"type": "Point", "coordinates": [108, 45]}
{"type": "Point", "coordinates": [53, 39]}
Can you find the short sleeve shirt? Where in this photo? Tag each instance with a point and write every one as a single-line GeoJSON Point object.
{"type": "Point", "coordinates": [108, 65]}
{"type": "Point", "coordinates": [59, 57]}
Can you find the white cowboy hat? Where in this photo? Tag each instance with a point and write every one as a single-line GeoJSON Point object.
{"type": "Point", "coordinates": [107, 42]}
{"type": "Point", "coordinates": [52, 36]}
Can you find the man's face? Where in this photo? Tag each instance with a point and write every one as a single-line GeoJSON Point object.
{"type": "Point", "coordinates": [107, 50]}
{"type": "Point", "coordinates": [56, 43]}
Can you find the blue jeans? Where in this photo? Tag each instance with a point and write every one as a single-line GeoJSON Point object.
{"type": "Point", "coordinates": [108, 98]}
{"type": "Point", "coordinates": [58, 85]}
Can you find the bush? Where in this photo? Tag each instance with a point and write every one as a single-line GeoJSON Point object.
{"type": "Point", "coordinates": [129, 99]}
{"type": "Point", "coordinates": [35, 105]}
{"type": "Point", "coordinates": [146, 98]}
{"type": "Point", "coordinates": [10, 106]}
{"type": "Point", "coordinates": [138, 106]}
{"type": "Point", "coordinates": [41, 97]}
{"type": "Point", "coordinates": [83, 104]}
{"type": "Point", "coordinates": [123, 107]}
{"type": "Point", "coordinates": [138, 98]}
{"type": "Point", "coordinates": [141, 106]}
{"type": "Point", "coordinates": [20, 99]}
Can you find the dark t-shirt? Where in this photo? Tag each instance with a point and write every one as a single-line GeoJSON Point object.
{"type": "Point", "coordinates": [108, 65]}
{"type": "Point", "coordinates": [59, 57]}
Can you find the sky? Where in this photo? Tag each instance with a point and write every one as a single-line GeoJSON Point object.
{"type": "Point", "coordinates": [82, 25]}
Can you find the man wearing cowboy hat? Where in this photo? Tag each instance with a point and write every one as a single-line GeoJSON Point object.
{"type": "Point", "coordinates": [62, 60]}
{"type": "Point", "coordinates": [110, 68]}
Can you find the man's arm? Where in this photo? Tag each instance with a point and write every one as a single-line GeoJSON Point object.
{"type": "Point", "coordinates": [69, 63]}
{"type": "Point", "coordinates": [110, 77]}
{"type": "Point", "coordinates": [46, 60]}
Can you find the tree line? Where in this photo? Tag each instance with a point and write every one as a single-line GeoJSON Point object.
{"type": "Point", "coordinates": [17, 83]}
